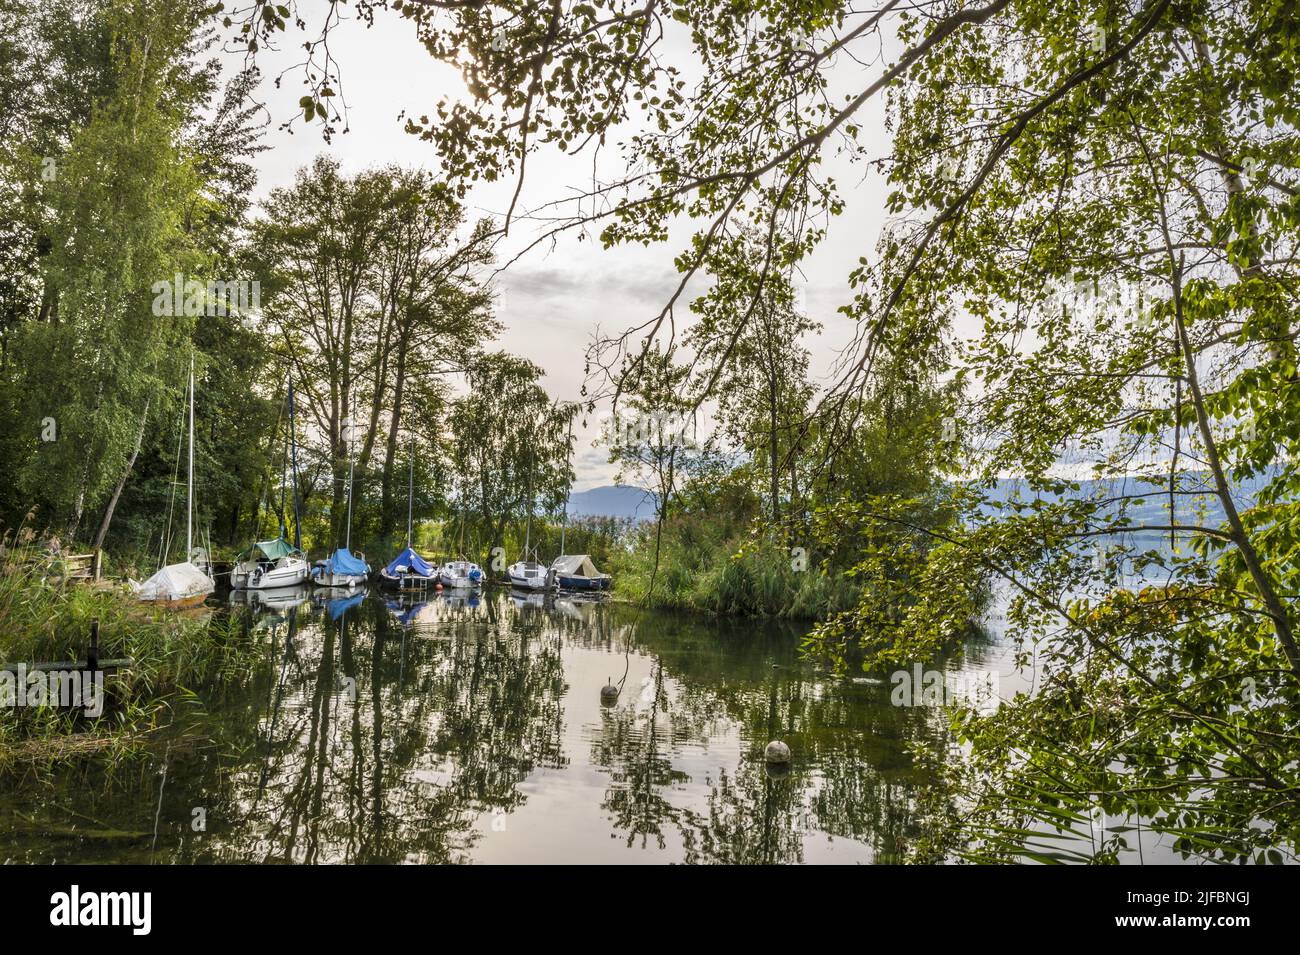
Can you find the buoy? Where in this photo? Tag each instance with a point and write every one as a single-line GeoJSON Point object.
{"type": "Point", "coordinates": [437, 588]}
{"type": "Point", "coordinates": [608, 694]}
{"type": "Point", "coordinates": [777, 752]}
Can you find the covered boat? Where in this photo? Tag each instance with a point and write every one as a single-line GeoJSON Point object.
{"type": "Point", "coordinates": [577, 572]}
{"type": "Point", "coordinates": [341, 569]}
{"type": "Point", "coordinates": [408, 569]}
{"type": "Point", "coordinates": [180, 584]}
{"type": "Point", "coordinates": [528, 575]}
{"type": "Point", "coordinates": [461, 574]}
{"type": "Point", "coordinates": [268, 565]}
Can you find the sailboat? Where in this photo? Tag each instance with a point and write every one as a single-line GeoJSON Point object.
{"type": "Point", "coordinates": [183, 584]}
{"type": "Point", "coordinates": [460, 574]}
{"type": "Point", "coordinates": [528, 574]}
{"type": "Point", "coordinates": [343, 568]}
{"type": "Point", "coordinates": [271, 564]}
{"type": "Point", "coordinates": [408, 569]}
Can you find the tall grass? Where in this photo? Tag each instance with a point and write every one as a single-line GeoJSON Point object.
{"type": "Point", "coordinates": [704, 568]}
{"type": "Point", "coordinates": [44, 618]}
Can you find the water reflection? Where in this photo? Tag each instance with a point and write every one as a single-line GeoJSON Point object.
{"type": "Point", "coordinates": [465, 727]}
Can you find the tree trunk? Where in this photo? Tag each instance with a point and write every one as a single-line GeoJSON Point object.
{"type": "Point", "coordinates": [387, 511]}
{"type": "Point", "coordinates": [772, 447]}
{"type": "Point", "coordinates": [121, 482]}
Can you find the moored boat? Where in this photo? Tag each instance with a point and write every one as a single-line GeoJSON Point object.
{"type": "Point", "coordinates": [176, 585]}
{"type": "Point", "coordinates": [184, 584]}
{"type": "Point", "coordinates": [273, 564]}
{"type": "Point", "coordinates": [528, 575]}
{"type": "Point", "coordinates": [269, 565]}
{"type": "Point", "coordinates": [461, 574]}
{"type": "Point", "coordinates": [407, 571]}
{"type": "Point", "coordinates": [577, 572]}
{"type": "Point", "coordinates": [341, 569]}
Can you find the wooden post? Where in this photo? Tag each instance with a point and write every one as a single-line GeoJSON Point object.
{"type": "Point", "coordinates": [96, 564]}
{"type": "Point", "coordinates": [92, 652]}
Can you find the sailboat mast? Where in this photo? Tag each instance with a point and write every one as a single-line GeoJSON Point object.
{"type": "Point", "coordinates": [352, 438]}
{"type": "Point", "coordinates": [189, 477]}
{"type": "Point", "coordinates": [293, 454]}
{"type": "Point", "coordinates": [528, 528]}
{"type": "Point", "coordinates": [564, 521]}
{"type": "Point", "coordinates": [410, 492]}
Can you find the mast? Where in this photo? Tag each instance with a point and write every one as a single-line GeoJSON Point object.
{"type": "Point", "coordinates": [564, 521]}
{"type": "Point", "coordinates": [528, 528]}
{"type": "Point", "coordinates": [410, 492]}
{"type": "Point", "coordinates": [189, 477]}
{"type": "Point", "coordinates": [352, 440]}
{"type": "Point", "coordinates": [293, 451]}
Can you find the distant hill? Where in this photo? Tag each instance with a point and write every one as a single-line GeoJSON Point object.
{"type": "Point", "coordinates": [613, 500]}
{"type": "Point", "coordinates": [1207, 509]}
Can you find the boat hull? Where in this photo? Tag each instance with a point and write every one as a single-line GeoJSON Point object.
{"type": "Point", "coordinates": [324, 578]}
{"type": "Point", "coordinates": [455, 582]}
{"type": "Point", "coordinates": [288, 573]}
{"type": "Point", "coordinates": [528, 583]}
{"type": "Point", "coordinates": [406, 581]}
{"type": "Point", "coordinates": [583, 583]}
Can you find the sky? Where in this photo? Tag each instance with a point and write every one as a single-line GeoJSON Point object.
{"type": "Point", "coordinates": [552, 300]}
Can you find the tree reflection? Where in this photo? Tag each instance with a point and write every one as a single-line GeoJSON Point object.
{"type": "Point", "coordinates": [398, 730]}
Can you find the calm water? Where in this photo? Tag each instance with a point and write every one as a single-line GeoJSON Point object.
{"type": "Point", "coordinates": [472, 730]}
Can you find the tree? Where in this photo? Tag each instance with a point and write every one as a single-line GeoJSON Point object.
{"type": "Point", "coordinates": [654, 439]}
{"type": "Point", "coordinates": [98, 351]}
{"type": "Point", "coordinates": [1118, 209]}
{"type": "Point", "coordinates": [510, 445]}
{"type": "Point", "coordinates": [764, 390]}
{"type": "Point", "coordinates": [369, 290]}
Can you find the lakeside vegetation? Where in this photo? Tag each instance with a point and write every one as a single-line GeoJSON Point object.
{"type": "Point", "coordinates": [1088, 273]}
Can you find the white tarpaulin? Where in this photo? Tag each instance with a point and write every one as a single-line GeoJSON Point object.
{"type": "Point", "coordinates": [175, 582]}
{"type": "Point", "coordinates": [575, 565]}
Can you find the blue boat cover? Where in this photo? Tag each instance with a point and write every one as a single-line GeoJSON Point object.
{"type": "Point", "coordinates": [409, 558]}
{"type": "Point", "coordinates": [338, 608]}
{"type": "Point", "coordinates": [343, 561]}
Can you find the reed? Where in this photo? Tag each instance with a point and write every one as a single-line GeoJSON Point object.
{"type": "Point", "coordinates": [43, 619]}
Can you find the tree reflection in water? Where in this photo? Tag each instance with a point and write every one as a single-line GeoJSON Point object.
{"type": "Point", "coordinates": [399, 730]}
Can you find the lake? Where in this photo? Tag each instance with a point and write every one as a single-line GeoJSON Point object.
{"type": "Point", "coordinates": [472, 729]}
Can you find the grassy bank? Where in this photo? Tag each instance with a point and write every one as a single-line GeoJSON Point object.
{"type": "Point", "coordinates": [45, 619]}
{"type": "Point", "coordinates": [707, 566]}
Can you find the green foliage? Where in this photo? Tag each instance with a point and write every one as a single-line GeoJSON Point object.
{"type": "Point", "coordinates": [511, 445]}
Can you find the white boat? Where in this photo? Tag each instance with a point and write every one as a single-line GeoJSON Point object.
{"type": "Point", "coordinates": [183, 584]}
{"type": "Point", "coordinates": [268, 565]}
{"type": "Point", "coordinates": [528, 575]}
{"type": "Point", "coordinates": [178, 585]}
{"type": "Point", "coordinates": [460, 574]}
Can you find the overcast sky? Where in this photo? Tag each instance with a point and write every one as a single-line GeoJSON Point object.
{"type": "Point", "coordinates": [553, 299]}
